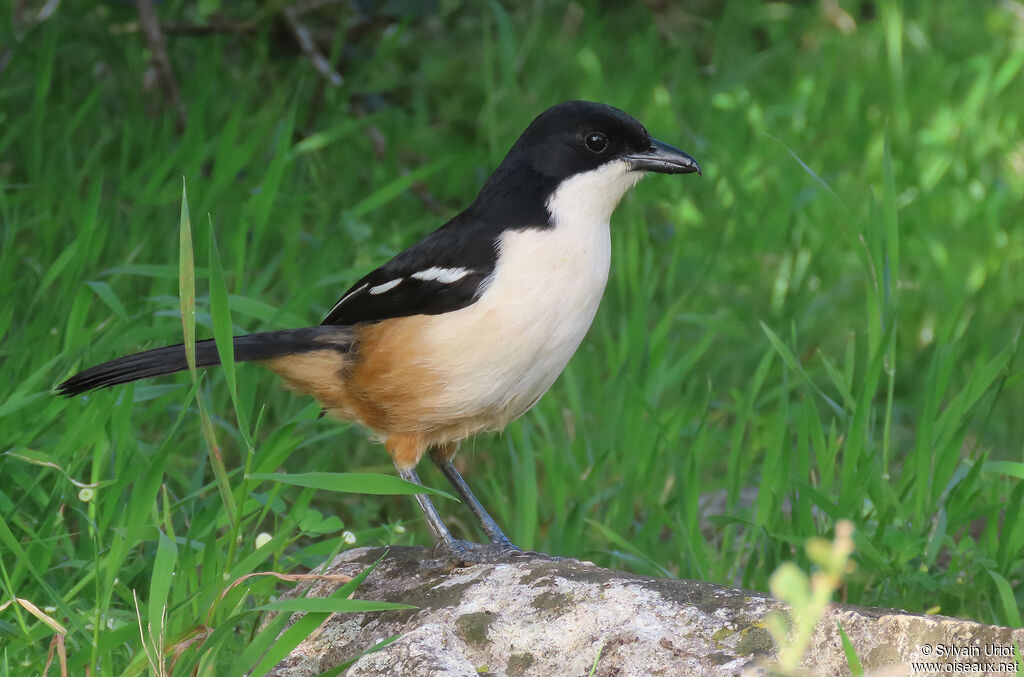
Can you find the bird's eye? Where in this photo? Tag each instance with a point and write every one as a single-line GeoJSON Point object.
{"type": "Point", "coordinates": [596, 142]}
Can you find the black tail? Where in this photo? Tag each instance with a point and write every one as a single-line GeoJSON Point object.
{"type": "Point", "coordinates": [248, 348]}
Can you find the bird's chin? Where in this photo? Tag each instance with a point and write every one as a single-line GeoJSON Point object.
{"type": "Point", "coordinates": [635, 175]}
{"type": "Point", "coordinates": [592, 196]}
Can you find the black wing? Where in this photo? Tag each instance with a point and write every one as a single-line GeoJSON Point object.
{"type": "Point", "coordinates": [391, 293]}
{"type": "Point", "coordinates": [440, 273]}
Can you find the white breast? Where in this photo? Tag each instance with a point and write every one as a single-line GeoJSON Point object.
{"type": "Point", "coordinates": [503, 352]}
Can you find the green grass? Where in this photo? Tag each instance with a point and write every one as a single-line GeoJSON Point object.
{"type": "Point", "coordinates": [826, 326]}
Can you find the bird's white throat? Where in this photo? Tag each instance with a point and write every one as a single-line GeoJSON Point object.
{"type": "Point", "coordinates": [591, 197]}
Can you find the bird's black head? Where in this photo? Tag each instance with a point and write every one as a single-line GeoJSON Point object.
{"type": "Point", "coordinates": [580, 136]}
{"type": "Point", "coordinates": [592, 149]}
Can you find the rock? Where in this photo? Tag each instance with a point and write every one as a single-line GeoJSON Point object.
{"type": "Point", "coordinates": [537, 616]}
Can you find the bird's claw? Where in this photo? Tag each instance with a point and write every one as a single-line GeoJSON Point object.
{"type": "Point", "coordinates": [456, 554]}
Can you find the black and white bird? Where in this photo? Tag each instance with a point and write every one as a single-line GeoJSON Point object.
{"type": "Point", "coordinates": [465, 330]}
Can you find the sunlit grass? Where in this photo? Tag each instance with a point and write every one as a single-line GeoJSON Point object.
{"type": "Point", "coordinates": [825, 326]}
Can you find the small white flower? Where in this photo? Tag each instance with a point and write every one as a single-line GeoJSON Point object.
{"type": "Point", "coordinates": [348, 537]}
{"type": "Point", "coordinates": [86, 494]}
{"type": "Point", "coordinates": [262, 539]}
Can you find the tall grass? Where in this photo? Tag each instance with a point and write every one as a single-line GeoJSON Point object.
{"type": "Point", "coordinates": [826, 326]}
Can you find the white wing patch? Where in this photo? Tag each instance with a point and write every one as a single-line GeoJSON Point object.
{"type": "Point", "coordinates": [433, 274]}
{"type": "Point", "coordinates": [442, 275]}
{"type": "Point", "coordinates": [387, 286]}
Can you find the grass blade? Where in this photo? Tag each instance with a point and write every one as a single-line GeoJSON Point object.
{"type": "Point", "coordinates": [160, 586]}
{"type": "Point", "coordinates": [223, 333]}
{"type": "Point", "coordinates": [187, 293]}
{"type": "Point", "coordinates": [1007, 598]}
{"type": "Point", "coordinates": [331, 605]}
{"type": "Point", "coordinates": [852, 660]}
{"type": "Point", "coordinates": [277, 647]}
{"type": "Point", "coordinates": [353, 483]}
{"type": "Point", "coordinates": [187, 283]}
{"type": "Point", "coordinates": [390, 191]}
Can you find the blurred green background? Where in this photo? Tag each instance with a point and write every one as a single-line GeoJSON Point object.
{"type": "Point", "coordinates": [825, 326]}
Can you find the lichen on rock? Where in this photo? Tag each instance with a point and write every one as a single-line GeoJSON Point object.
{"type": "Point", "coordinates": [526, 616]}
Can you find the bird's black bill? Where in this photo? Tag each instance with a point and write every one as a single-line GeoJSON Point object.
{"type": "Point", "coordinates": [663, 159]}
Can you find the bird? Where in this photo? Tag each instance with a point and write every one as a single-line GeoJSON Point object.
{"type": "Point", "coordinates": [465, 330]}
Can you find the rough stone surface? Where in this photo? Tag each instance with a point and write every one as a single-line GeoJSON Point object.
{"type": "Point", "coordinates": [534, 616]}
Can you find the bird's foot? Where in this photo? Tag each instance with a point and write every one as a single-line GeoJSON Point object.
{"type": "Point", "coordinates": [534, 554]}
{"type": "Point", "coordinates": [505, 550]}
{"type": "Point", "coordinates": [456, 554]}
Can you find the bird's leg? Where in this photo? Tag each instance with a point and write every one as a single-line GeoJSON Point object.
{"type": "Point", "coordinates": [442, 456]}
{"type": "Point", "coordinates": [437, 528]}
{"type": "Point", "coordinates": [405, 451]}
